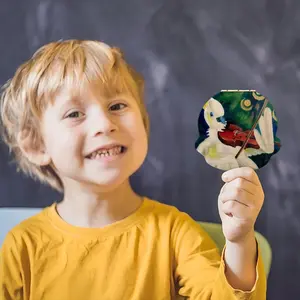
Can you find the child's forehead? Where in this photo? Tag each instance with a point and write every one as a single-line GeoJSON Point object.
{"type": "Point", "coordinates": [88, 93]}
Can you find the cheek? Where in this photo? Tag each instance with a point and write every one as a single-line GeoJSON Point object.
{"type": "Point", "coordinates": [137, 128]}
{"type": "Point", "coordinates": [140, 138]}
{"type": "Point", "coordinates": [62, 144]}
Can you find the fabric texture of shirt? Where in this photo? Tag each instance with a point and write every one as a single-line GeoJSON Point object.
{"type": "Point", "coordinates": [153, 254]}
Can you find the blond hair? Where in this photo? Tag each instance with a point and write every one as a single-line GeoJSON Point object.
{"type": "Point", "coordinates": [53, 67]}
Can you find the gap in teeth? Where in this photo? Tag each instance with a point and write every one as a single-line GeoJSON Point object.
{"type": "Point", "coordinates": [109, 152]}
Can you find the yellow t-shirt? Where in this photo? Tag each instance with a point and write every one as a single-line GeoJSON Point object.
{"type": "Point", "coordinates": [145, 256]}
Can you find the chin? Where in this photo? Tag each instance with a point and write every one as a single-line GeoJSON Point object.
{"type": "Point", "coordinates": [110, 181]}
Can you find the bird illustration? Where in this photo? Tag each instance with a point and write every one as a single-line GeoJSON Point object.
{"type": "Point", "coordinates": [220, 152]}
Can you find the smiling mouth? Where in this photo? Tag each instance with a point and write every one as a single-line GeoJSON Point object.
{"type": "Point", "coordinates": [114, 151]}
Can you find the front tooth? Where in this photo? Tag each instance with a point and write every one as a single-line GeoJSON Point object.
{"type": "Point", "coordinates": [105, 153]}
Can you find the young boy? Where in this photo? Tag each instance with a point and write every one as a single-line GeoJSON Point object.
{"type": "Point", "coordinates": [74, 118]}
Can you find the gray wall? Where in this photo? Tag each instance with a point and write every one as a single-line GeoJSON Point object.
{"type": "Point", "coordinates": [187, 50]}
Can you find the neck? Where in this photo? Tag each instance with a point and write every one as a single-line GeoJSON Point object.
{"type": "Point", "coordinates": [91, 208]}
{"type": "Point", "coordinates": [212, 133]}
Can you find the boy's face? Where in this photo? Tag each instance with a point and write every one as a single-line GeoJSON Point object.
{"type": "Point", "coordinates": [94, 140]}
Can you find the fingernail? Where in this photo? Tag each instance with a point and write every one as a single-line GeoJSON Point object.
{"type": "Point", "coordinates": [224, 176]}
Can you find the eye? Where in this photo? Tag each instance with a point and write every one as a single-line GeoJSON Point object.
{"type": "Point", "coordinates": [74, 115]}
{"type": "Point", "coordinates": [118, 106]}
{"type": "Point", "coordinates": [211, 114]}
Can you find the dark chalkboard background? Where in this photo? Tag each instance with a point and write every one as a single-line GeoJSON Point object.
{"type": "Point", "coordinates": [187, 51]}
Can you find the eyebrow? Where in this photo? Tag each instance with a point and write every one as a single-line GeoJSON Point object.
{"type": "Point", "coordinates": [75, 100]}
{"type": "Point", "coordinates": [121, 96]}
{"type": "Point", "coordinates": [67, 101]}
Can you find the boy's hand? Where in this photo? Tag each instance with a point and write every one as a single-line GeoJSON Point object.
{"type": "Point", "coordinates": [240, 202]}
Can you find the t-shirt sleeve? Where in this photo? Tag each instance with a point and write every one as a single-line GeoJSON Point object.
{"type": "Point", "coordinates": [11, 283]}
{"type": "Point", "coordinates": [200, 270]}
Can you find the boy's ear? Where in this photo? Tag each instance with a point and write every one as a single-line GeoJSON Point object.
{"type": "Point", "coordinates": [34, 152]}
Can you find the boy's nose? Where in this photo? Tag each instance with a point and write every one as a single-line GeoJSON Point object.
{"type": "Point", "coordinates": [102, 124]}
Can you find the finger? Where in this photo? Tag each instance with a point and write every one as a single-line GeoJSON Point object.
{"type": "Point", "coordinates": [223, 188]}
{"type": "Point", "coordinates": [241, 183]}
{"type": "Point", "coordinates": [244, 172]}
{"type": "Point", "coordinates": [236, 209]}
{"type": "Point", "coordinates": [239, 195]}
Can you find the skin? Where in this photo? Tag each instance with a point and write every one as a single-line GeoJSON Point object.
{"type": "Point", "coordinates": [97, 194]}
{"type": "Point", "coordinates": [240, 201]}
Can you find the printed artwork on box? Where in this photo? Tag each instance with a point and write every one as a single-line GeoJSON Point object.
{"type": "Point", "coordinates": [237, 129]}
